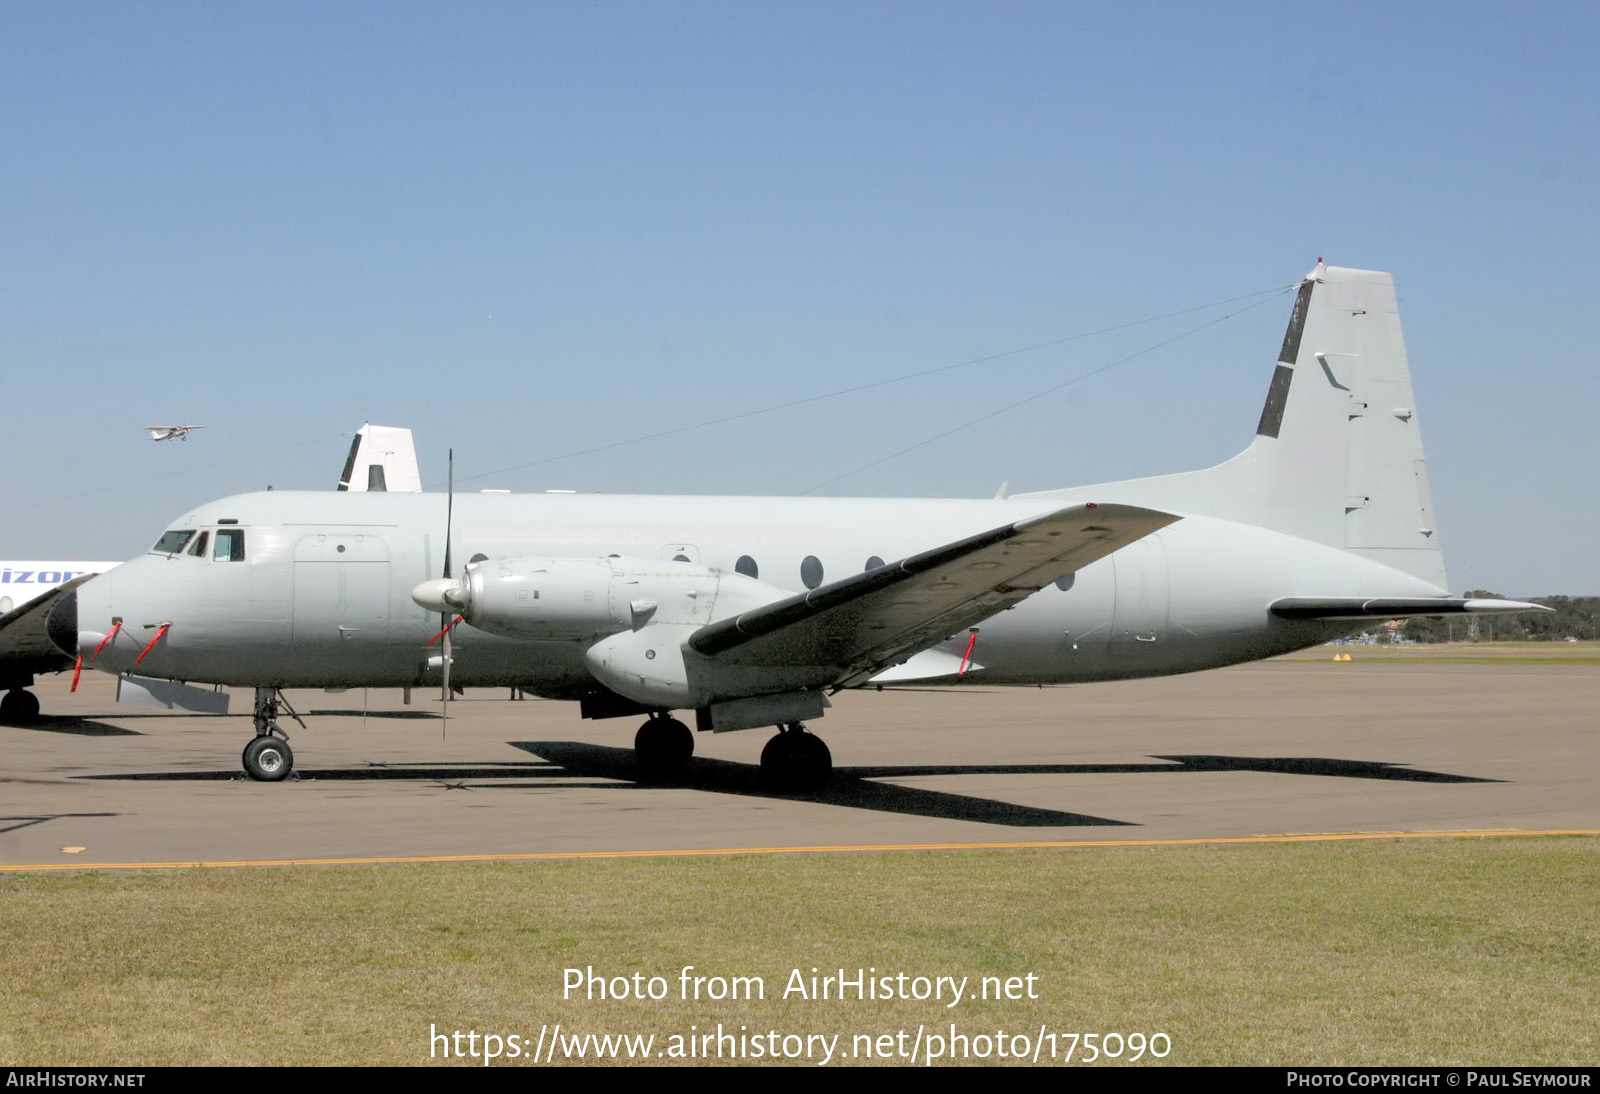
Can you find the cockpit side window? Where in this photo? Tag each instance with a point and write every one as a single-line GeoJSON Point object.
{"type": "Point", "coordinates": [173, 541]}
{"type": "Point", "coordinates": [230, 545]}
{"type": "Point", "coordinates": [199, 548]}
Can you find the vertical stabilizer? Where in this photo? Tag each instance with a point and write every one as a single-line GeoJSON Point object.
{"type": "Point", "coordinates": [382, 458]}
{"type": "Point", "coordinates": [1340, 448]}
{"type": "Point", "coordinates": [1337, 456]}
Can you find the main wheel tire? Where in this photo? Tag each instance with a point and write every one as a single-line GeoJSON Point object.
{"type": "Point", "coordinates": [267, 759]}
{"type": "Point", "coordinates": [662, 746]}
{"type": "Point", "coordinates": [19, 707]}
{"type": "Point", "coordinates": [244, 757]}
{"type": "Point", "coordinates": [795, 760]}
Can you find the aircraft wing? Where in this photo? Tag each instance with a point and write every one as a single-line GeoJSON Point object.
{"type": "Point", "coordinates": [25, 647]}
{"type": "Point", "coordinates": [1357, 608]}
{"type": "Point", "coordinates": [869, 621]}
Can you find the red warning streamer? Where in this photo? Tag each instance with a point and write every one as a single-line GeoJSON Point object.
{"type": "Point", "coordinates": [966, 658]}
{"type": "Point", "coordinates": [77, 671]}
{"type": "Point", "coordinates": [115, 627]}
{"type": "Point", "coordinates": [447, 626]}
{"type": "Point", "coordinates": [148, 646]}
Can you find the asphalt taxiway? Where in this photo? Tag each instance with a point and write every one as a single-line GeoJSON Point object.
{"type": "Point", "coordinates": [1304, 747]}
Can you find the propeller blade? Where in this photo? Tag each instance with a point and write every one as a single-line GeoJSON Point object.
{"type": "Point", "coordinates": [445, 649]}
{"type": "Point", "coordinates": [445, 621]}
{"type": "Point", "coordinates": [449, 511]}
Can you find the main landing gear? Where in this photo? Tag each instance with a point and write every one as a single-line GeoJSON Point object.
{"type": "Point", "coordinates": [796, 760]}
{"type": "Point", "coordinates": [267, 758]}
{"type": "Point", "coordinates": [19, 707]}
{"type": "Point", "coordinates": [662, 745]}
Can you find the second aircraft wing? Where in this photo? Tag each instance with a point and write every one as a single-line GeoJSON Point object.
{"type": "Point", "coordinates": [25, 645]}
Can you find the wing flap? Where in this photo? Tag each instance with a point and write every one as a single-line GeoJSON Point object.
{"type": "Point", "coordinates": [869, 621]}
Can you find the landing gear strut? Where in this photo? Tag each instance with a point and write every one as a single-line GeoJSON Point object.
{"type": "Point", "coordinates": [662, 745]}
{"type": "Point", "coordinates": [796, 760]}
{"type": "Point", "coordinates": [19, 707]}
{"type": "Point", "coordinates": [267, 758]}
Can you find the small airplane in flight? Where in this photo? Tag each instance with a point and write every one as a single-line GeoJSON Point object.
{"type": "Point", "coordinates": [171, 432]}
{"type": "Point", "coordinates": [749, 612]}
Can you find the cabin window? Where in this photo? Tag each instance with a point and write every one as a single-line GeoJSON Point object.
{"type": "Point", "coordinates": [199, 548]}
{"type": "Point", "coordinates": [811, 571]}
{"type": "Point", "coordinates": [230, 545]}
{"type": "Point", "coordinates": [747, 566]}
{"type": "Point", "coordinates": [172, 542]}
{"type": "Point", "coordinates": [1065, 583]}
{"type": "Point", "coordinates": [873, 563]}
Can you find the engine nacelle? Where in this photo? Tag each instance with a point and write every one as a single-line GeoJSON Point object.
{"type": "Point", "coordinates": [587, 599]}
{"type": "Point", "coordinates": [655, 666]}
{"type": "Point", "coordinates": [636, 616]}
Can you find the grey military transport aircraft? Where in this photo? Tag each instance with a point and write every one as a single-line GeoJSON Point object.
{"type": "Point", "coordinates": [749, 611]}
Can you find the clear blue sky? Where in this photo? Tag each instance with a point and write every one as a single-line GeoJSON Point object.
{"type": "Point", "coordinates": [528, 230]}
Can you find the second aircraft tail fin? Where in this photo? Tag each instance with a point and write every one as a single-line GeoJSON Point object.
{"type": "Point", "coordinates": [382, 458]}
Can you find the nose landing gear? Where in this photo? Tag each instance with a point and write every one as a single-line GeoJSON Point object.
{"type": "Point", "coordinates": [267, 758]}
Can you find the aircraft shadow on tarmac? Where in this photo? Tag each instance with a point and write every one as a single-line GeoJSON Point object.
{"type": "Point", "coordinates": [575, 764]}
{"type": "Point", "coordinates": [79, 727]}
{"type": "Point", "coordinates": [848, 787]}
{"type": "Point", "coordinates": [11, 824]}
{"type": "Point", "coordinates": [395, 715]}
{"type": "Point", "coordinates": [1307, 765]}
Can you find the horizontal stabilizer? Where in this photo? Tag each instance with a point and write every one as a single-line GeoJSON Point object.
{"type": "Point", "coordinates": [865, 623]}
{"type": "Point", "coordinates": [1340, 607]}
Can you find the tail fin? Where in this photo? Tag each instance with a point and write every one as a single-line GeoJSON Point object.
{"type": "Point", "coordinates": [1337, 456]}
{"type": "Point", "coordinates": [382, 458]}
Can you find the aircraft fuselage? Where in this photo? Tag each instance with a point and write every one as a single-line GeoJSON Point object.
{"type": "Point", "coordinates": [322, 596]}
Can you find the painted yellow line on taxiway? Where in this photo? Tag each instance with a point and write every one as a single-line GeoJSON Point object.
{"type": "Point", "coordinates": [843, 848]}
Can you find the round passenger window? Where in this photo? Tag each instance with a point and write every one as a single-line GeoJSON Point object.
{"type": "Point", "coordinates": [680, 558]}
{"type": "Point", "coordinates": [811, 572]}
{"type": "Point", "coordinates": [874, 563]}
{"type": "Point", "coordinates": [747, 566]}
{"type": "Point", "coordinates": [1065, 583]}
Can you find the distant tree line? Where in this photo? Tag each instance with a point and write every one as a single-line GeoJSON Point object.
{"type": "Point", "coordinates": [1570, 617]}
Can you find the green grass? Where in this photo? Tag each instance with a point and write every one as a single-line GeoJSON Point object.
{"type": "Point", "coordinates": [1482, 951]}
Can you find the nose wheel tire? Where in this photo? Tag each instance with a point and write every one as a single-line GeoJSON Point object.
{"type": "Point", "coordinates": [796, 760]}
{"type": "Point", "coordinates": [267, 759]}
{"type": "Point", "coordinates": [662, 746]}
